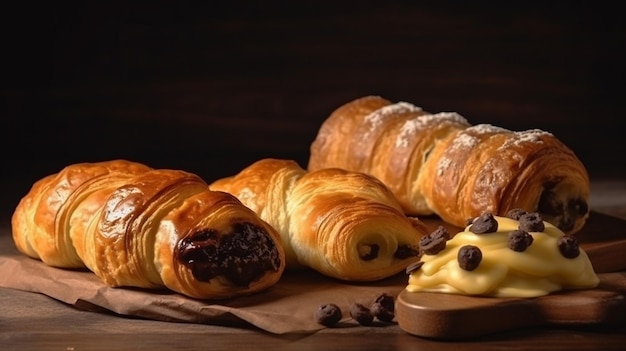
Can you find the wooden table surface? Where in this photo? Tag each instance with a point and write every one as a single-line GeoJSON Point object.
{"type": "Point", "coordinates": [32, 321]}
{"type": "Point", "coordinates": [212, 89]}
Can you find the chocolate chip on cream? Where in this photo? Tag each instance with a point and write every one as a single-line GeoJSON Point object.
{"type": "Point", "coordinates": [434, 242]}
{"type": "Point", "coordinates": [516, 260]}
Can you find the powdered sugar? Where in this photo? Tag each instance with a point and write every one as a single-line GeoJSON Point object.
{"type": "Point", "coordinates": [524, 137]}
{"type": "Point", "coordinates": [376, 118]}
{"type": "Point", "coordinates": [486, 129]}
{"type": "Point", "coordinates": [411, 127]}
{"type": "Point", "coordinates": [443, 165]}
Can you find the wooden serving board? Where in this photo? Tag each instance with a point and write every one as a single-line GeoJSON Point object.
{"type": "Point", "coordinates": [449, 316]}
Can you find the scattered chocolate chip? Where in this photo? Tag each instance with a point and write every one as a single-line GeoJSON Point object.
{"type": "Point", "coordinates": [469, 257]}
{"type": "Point", "coordinates": [531, 222]}
{"type": "Point", "coordinates": [414, 267]}
{"type": "Point", "coordinates": [515, 213]}
{"type": "Point", "coordinates": [434, 242]}
{"type": "Point", "coordinates": [485, 223]}
{"type": "Point", "coordinates": [361, 314]}
{"type": "Point", "coordinates": [382, 313]}
{"type": "Point", "coordinates": [328, 314]}
{"type": "Point", "coordinates": [384, 307]}
{"type": "Point", "coordinates": [568, 246]}
{"type": "Point", "coordinates": [519, 240]}
{"type": "Point", "coordinates": [386, 300]}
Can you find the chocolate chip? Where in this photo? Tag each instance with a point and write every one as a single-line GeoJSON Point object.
{"type": "Point", "coordinates": [328, 314]}
{"type": "Point", "coordinates": [434, 242]}
{"type": "Point", "coordinates": [361, 314]}
{"type": "Point", "coordinates": [469, 257]}
{"type": "Point", "coordinates": [519, 240]}
{"type": "Point", "coordinates": [515, 213]}
{"type": "Point", "coordinates": [568, 246]}
{"type": "Point", "coordinates": [485, 223]}
{"type": "Point", "coordinates": [386, 300]}
{"type": "Point", "coordinates": [414, 267]}
{"type": "Point", "coordinates": [531, 222]}
{"type": "Point", "coordinates": [382, 313]}
{"type": "Point", "coordinates": [383, 307]}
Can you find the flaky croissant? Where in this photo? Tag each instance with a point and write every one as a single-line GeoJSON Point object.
{"type": "Point", "coordinates": [441, 164]}
{"type": "Point", "coordinates": [150, 228]}
{"type": "Point", "coordinates": [345, 225]}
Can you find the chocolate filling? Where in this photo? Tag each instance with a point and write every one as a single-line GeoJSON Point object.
{"type": "Point", "coordinates": [562, 215]}
{"type": "Point", "coordinates": [550, 204]}
{"type": "Point", "coordinates": [242, 256]}
{"type": "Point", "coordinates": [405, 251]}
{"type": "Point", "coordinates": [372, 254]}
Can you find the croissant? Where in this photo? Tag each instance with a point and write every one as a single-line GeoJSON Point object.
{"type": "Point", "coordinates": [345, 225]}
{"type": "Point", "coordinates": [441, 164]}
{"type": "Point", "coordinates": [136, 226]}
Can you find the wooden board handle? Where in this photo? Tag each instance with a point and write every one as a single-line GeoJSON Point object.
{"type": "Point", "coordinates": [449, 316]}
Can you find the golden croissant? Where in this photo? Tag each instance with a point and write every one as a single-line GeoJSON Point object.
{"type": "Point", "coordinates": [441, 164]}
{"type": "Point", "coordinates": [345, 225]}
{"type": "Point", "coordinates": [150, 228]}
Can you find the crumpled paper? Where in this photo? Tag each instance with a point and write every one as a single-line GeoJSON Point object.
{"type": "Point", "coordinates": [287, 307]}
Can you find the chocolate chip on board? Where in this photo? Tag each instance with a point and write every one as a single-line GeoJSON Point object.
{"type": "Point", "coordinates": [361, 314]}
{"type": "Point", "coordinates": [386, 301]}
{"type": "Point", "coordinates": [531, 222]}
{"type": "Point", "coordinates": [381, 312]}
{"type": "Point", "coordinates": [384, 307]}
{"type": "Point", "coordinates": [469, 257]}
{"type": "Point", "coordinates": [328, 314]}
{"type": "Point", "coordinates": [485, 223]}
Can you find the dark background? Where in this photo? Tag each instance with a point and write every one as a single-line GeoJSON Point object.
{"type": "Point", "coordinates": [212, 88]}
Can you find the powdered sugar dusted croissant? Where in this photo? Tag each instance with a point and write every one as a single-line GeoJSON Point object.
{"type": "Point", "coordinates": [151, 228]}
{"type": "Point", "coordinates": [441, 164]}
{"type": "Point", "coordinates": [346, 225]}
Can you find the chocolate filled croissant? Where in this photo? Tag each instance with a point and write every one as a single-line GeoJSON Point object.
{"type": "Point", "coordinates": [150, 228]}
{"type": "Point", "coordinates": [345, 225]}
{"type": "Point", "coordinates": [441, 164]}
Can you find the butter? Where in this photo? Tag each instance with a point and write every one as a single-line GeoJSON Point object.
{"type": "Point", "coordinates": [502, 272]}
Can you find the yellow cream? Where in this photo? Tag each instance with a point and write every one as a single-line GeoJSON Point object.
{"type": "Point", "coordinates": [503, 272]}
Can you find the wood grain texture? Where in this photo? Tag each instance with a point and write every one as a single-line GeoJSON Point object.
{"type": "Point", "coordinates": [450, 316]}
